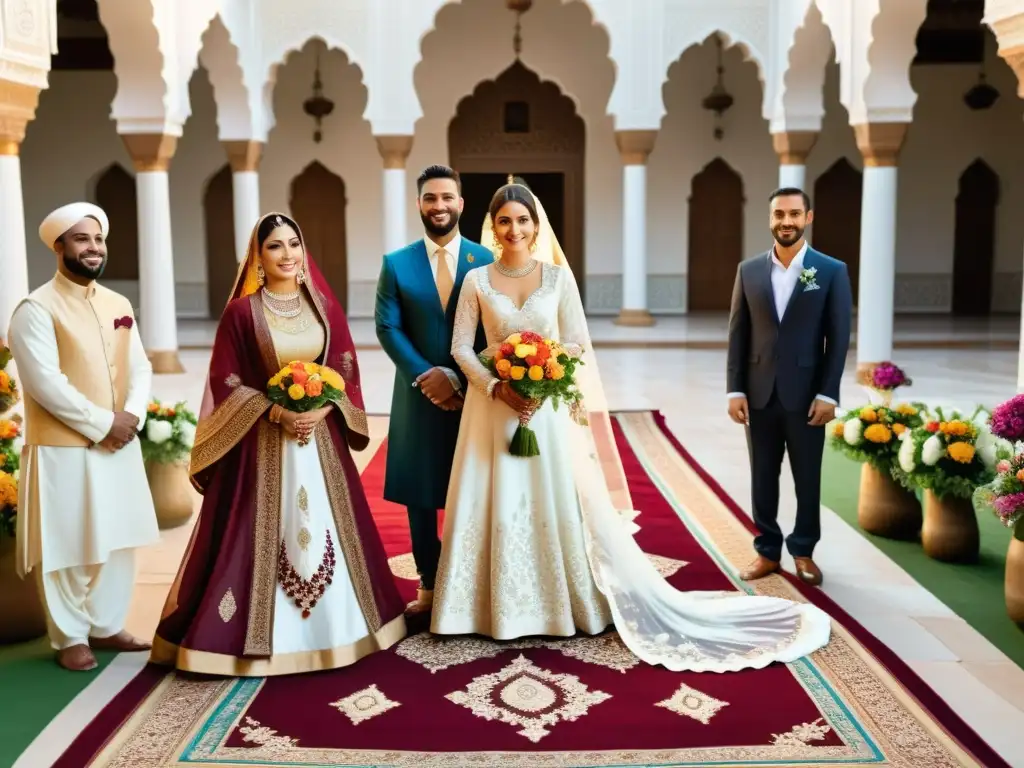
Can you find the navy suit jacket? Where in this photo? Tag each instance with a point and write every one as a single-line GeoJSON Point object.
{"type": "Point", "coordinates": [803, 354]}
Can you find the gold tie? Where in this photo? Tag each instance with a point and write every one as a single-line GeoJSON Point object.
{"type": "Point", "coordinates": [444, 278]}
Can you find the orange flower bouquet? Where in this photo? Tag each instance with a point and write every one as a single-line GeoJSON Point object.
{"type": "Point", "coordinates": [303, 387]}
{"type": "Point", "coordinates": [537, 369]}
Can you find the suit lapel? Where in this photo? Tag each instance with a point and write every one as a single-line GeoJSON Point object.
{"type": "Point", "coordinates": [421, 260]}
{"type": "Point", "coordinates": [798, 289]}
{"type": "Point", "coordinates": [461, 268]}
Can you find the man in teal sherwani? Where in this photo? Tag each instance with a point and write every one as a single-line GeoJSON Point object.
{"type": "Point", "coordinates": [417, 293]}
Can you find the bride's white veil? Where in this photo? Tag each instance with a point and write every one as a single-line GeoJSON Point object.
{"type": "Point", "coordinates": [588, 376]}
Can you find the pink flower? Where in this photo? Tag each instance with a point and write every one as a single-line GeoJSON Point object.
{"type": "Point", "coordinates": [1003, 466]}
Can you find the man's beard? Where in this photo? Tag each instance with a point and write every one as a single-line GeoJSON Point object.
{"type": "Point", "coordinates": [76, 267]}
{"type": "Point", "coordinates": [787, 240]}
{"type": "Point", "coordinates": [441, 231]}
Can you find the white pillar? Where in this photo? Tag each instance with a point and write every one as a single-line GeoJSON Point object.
{"type": "Point", "coordinates": [244, 157]}
{"type": "Point", "coordinates": [17, 108]}
{"type": "Point", "coordinates": [879, 144]}
{"type": "Point", "coordinates": [158, 325]}
{"type": "Point", "coordinates": [394, 151]}
{"type": "Point", "coordinates": [792, 176]}
{"type": "Point", "coordinates": [635, 147]}
{"type": "Point", "coordinates": [14, 253]}
{"type": "Point", "coordinates": [793, 147]}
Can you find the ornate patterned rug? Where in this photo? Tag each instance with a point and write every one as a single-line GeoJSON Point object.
{"type": "Point", "coordinates": [577, 702]}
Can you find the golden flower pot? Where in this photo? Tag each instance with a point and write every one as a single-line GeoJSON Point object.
{"type": "Point", "coordinates": [1014, 579]}
{"type": "Point", "coordinates": [885, 508]}
{"type": "Point", "coordinates": [950, 531]}
{"type": "Point", "coordinates": [21, 611]}
{"type": "Point", "coordinates": [173, 495]}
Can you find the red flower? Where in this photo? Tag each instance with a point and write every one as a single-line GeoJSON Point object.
{"type": "Point", "coordinates": [530, 337]}
{"type": "Point", "coordinates": [932, 426]}
{"type": "Point", "coordinates": [507, 350]}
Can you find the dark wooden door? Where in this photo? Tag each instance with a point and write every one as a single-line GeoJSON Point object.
{"type": "Point", "coordinates": [836, 204]}
{"type": "Point", "coordinates": [318, 205]}
{"type": "Point", "coordinates": [974, 241]}
{"type": "Point", "coordinates": [115, 194]}
{"type": "Point", "coordinates": [716, 237]}
{"type": "Point", "coordinates": [221, 255]}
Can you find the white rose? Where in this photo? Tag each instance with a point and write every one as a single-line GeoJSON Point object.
{"type": "Point", "coordinates": [188, 434]}
{"type": "Point", "coordinates": [852, 431]}
{"type": "Point", "coordinates": [932, 450]}
{"type": "Point", "coordinates": [159, 431]}
{"type": "Point", "coordinates": [906, 453]}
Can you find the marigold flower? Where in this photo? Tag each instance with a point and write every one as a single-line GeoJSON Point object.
{"type": "Point", "coordinates": [838, 429]}
{"type": "Point", "coordinates": [878, 433]}
{"type": "Point", "coordinates": [503, 367]}
{"type": "Point", "coordinates": [314, 387]}
{"type": "Point", "coordinates": [906, 409]}
{"type": "Point", "coordinates": [554, 369]}
{"type": "Point", "coordinates": [9, 430]}
{"type": "Point", "coordinates": [296, 392]}
{"type": "Point", "coordinates": [8, 490]}
{"type": "Point", "coordinates": [868, 414]}
{"type": "Point", "coordinates": [536, 373]}
{"type": "Point", "coordinates": [955, 428]}
{"type": "Point", "coordinates": [898, 428]}
{"type": "Point", "coordinates": [961, 452]}
{"type": "Point", "coordinates": [517, 372]}
{"type": "Point", "coordinates": [153, 407]}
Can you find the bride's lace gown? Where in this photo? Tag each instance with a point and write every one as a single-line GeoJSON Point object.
{"type": "Point", "coordinates": [535, 547]}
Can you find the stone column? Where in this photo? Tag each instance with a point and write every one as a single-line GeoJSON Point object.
{"type": "Point", "coordinates": [793, 147]}
{"type": "Point", "coordinates": [635, 146]}
{"type": "Point", "coordinates": [151, 154]}
{"type": "Point", "coordinates": [394, 150]}
{"type": "Point", "coordinates": [244, 157]}
{"type": "Point", "coordinates": [17, 108]}
{"type": "Point", "coordinates": [879, 144]}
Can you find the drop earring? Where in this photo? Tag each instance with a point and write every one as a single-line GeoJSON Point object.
{"type": "Point", "coordinates": [261, 277]}
{"type": "Point", "coordinates": [300, 278]}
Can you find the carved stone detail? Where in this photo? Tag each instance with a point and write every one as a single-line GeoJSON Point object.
{"type": "Point", "coordinates": [793, 147]}
{"type": "Point", "coordinates": [635, 146]}
{"type": "Point", "coordinates": [150, 151]}
{"type": "Point", "coordinates": [880, 143]}
{"type": "Point", "coordinates": [18, 104]}
{"type": "Point", "coordinates": [394, 150]}
{"type": "Point", "coordinates": [244, 155]}
{"type": "Point", "coordinates": [1015, 58]}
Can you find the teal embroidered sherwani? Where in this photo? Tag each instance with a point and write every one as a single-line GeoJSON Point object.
{"type": "Point", "coordinates": [417, 335]}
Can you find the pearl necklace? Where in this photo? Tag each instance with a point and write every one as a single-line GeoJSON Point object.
{"type": "Point", "coordinates": [286, 305]}
{"type": "Point", "coordinates": [521, 272]}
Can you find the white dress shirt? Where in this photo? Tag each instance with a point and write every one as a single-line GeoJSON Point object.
{"type": "Point", "coordinates": [784, 281]}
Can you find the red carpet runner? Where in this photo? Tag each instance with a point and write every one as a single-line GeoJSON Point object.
{"type": "Point", "coordinates": [585, 701]}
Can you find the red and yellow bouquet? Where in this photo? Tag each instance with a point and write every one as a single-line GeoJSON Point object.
{"type": "Point", "coordinates": [537, 369]}
{"type": "Point", "coordinates": [303, 387]}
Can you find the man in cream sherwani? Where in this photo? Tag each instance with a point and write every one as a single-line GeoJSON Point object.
{"type": "Point", "coordinates": [84, 502]}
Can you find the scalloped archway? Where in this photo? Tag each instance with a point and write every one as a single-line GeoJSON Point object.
{"type": "Point", "coordinates": [317, 203]}
{"type": "Point", "coordinates": [519, 124]}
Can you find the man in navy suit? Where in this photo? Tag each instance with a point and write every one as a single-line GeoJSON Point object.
{"type": "Point", "coordinates": [789, 332]}
{"type": "Point", "coordinates": [417, 293]}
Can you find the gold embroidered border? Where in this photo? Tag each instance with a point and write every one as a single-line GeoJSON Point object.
{"type": "Point", "coordinates": [266, 542]}
{"type": "Point", "coordinates": [355, 417]}
{"type": "Point", "coordinates": [225, 427]}
{"type": "Point", "coordinates": [907, 733]}
{"type": "Point", "coordinates": [345, 522]}
{"type": "Point", "coordinates": [264, 340]}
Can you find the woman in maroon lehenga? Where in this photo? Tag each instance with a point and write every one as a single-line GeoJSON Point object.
{"type": "Point", "coordinates": [285, 571]}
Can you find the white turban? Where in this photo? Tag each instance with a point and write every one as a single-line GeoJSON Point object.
{"type": "Point", "coordinates": [64, 218]}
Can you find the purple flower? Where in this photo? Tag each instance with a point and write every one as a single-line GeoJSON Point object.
{"type": "Point", "coordinates": [888, 376]}
{"type": "Point", "coordinates": [1008, 419]}
{"type": "Point", "coordinates": [1007, 506]}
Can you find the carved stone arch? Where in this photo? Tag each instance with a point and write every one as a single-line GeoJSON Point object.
{"type": "Point", "coordinates": [715, 237]}
{"type": "Point", "coordinates": [803, 83]}
{"type": "Point", "coordinates": [518, 124]}
{"type": "Point", "coordinates": [837, 208]}
{"type": "Point", "coordinates": [317, 203]}
{"type": "Point", "coordinates": [221, 259]}
{"type": "Point", "coordinates": [974, 239]}
{"type": "Point", "coordinates": [220, 57]}
{"type": "Point", "coordinates": [115, 194]}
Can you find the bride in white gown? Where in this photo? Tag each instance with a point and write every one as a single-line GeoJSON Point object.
{"type": "Point", "coordinates": [537, 546]}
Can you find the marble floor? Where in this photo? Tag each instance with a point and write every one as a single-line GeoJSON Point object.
{"type": "Point", "coordinates": [687, 385]}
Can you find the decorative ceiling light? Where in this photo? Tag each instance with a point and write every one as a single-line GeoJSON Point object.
{"type": "Point", "coordinates": [519, 7]}
{"type": "Point", "coordinates": [719, 100]}
{"type": "Point", "coordinates": [318, 106]}
{"type": "Point", "coordinates": [981, 95]}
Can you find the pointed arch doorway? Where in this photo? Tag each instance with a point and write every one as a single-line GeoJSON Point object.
{"type": "Point", "coordinates": [318, 206]}
{"type": "Point", "coordinates": [517, 124]}
{"type": "Point", "coordinates": [716, 237]}
{"type": "Point", "coordinates": [837, 210]}
{"type": "Point", "coordinates": [974, 240]}
{"type": "Point", "coordinates": [115, 194]}
{"type": "Point", "coordinates": [221, 262]}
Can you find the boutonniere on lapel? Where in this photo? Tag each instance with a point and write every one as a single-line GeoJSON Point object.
{"type": "Point", "coordinates": [123, 322]}
{"type": "Point", "coordinates": [470, 258]}
{"type": "Point", "coordinates": [807, 278]}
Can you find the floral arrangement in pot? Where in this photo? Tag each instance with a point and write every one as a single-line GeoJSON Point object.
{"type": "Point", "coordinates": [948, 458]}
{"type": "Point", "coordinates": [169, 433]}
{"type": "Point", "coordinates": [167, 442]}
{"type": "Point", "coordinates": [10, 432]}
{"type": "Point", "coordinates": [871, 435]}
{"type": "Point", "coordinates": [881, 380]}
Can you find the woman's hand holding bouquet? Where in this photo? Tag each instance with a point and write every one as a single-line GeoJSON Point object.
{"type": "Point", "coordinates": [531, 370]}
{"type": "Point", "coordinates": [302, 395]}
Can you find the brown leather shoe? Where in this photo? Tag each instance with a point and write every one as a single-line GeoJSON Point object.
{"type": "Point", "coordinates": [423, 603]}
{"type": "Point", "coordinates": [759, 568]}
{"type": "Point", "coordinates": [807, 571]}
{"type": "Point", "coordinates": [122, 641]}
{"type": "Point", "coordinates": [77, 658]}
